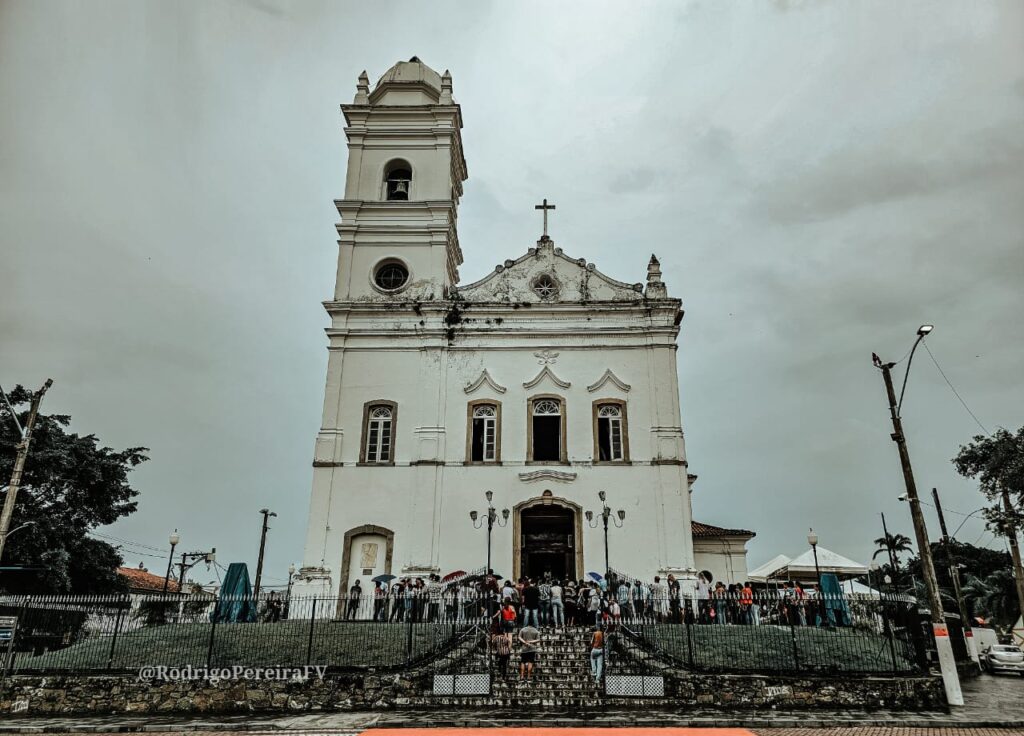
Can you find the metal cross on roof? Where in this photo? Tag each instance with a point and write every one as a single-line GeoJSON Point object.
{"type": "Point", "coordinates": [545, 207]}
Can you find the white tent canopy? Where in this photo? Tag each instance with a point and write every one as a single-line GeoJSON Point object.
{"type": "Point", "coordinates": [762, 573]}
{"type": "Point", "coordinates": [803, 567]}
{"type": "Point", "coordinates": [855, 588]}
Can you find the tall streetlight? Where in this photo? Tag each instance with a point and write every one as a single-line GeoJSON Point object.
{"type": "Point", "coordinates": [492, 519]}
{"type": "Point", "coordinates": [173, 539]}
{"type": "Point", "coordinates": [288, 595]}
{"type": "Point", "coordinates": [606, 514]}
{"type": "Point", "coordinates": [267, 513]}
{"type": "Point", "coordinates": [947, 663]}
{"type": "Point", "coordinates": [812, 539]}
{"type": "Point", "coordinates": [819, 606]}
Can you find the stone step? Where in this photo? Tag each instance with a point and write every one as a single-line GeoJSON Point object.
{"type": "Point", "coordinates": [501, 689]}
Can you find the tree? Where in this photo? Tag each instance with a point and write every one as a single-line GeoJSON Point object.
{"type": "Point", "coordinates": [994, 596]}
{"type": "Point", "coordinates": [997, 462]}
{"type": "Point", "coordinates": [892, 544]}
{"type": "Point", "coordinates": [977, 563]}
{"type": "Point", "coordinates": [71, 486]}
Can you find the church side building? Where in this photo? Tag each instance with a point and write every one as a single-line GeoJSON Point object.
{"type": "Point", "coordinates": [545, 382]}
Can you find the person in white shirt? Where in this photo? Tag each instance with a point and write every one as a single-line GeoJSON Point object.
{"type": "Point", "coordinates": [659, 598]}
{"type": "Point", "coordinates": [557, 606]}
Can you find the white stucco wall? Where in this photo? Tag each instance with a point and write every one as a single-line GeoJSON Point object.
{"type": "Point", "coordinates": [725, 558]}
{"type": "Point", "coordinates": [423, 346]}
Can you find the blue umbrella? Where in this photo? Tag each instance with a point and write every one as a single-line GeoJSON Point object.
{"type": "Point", "coordinates": [386, 578]}
{"type": "Point", "coordinates": [595, 577]}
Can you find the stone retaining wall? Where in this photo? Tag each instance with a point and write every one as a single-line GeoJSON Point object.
{"type": "Point", "coordinates": [69, 695]}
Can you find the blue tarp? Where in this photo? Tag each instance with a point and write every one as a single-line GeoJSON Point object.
{"type": "Point", "coordinates": [836, 610]}
{"type": "Point", "coordinates": [235, 604]}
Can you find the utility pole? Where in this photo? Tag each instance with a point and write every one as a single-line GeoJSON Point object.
{"type": "Point", "coordinates": [1010, 530]}
{"type": "Point", "coordinates": [947, 664]}
{"type": "Point", "coordinates": [267, 513]}
{"type": "Point", "coordinates": [888, 546]}
{"type": "Point", "coordinates": [19, 461]}
{"type": "Point", "coordinates": [954, 574]}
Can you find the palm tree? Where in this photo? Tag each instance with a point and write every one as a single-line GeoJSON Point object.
{"type": "Point", "coordinates": [892, 544]}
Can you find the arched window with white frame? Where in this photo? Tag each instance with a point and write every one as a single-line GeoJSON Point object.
{"type": "Point", "coordinates": [485, 432]}
{"type": "Point", "coordinates": [379, 433]}
{"type": "Point", "coordinates": [546, 430]}
{"type": "Point", "coordinates": [611, 443]}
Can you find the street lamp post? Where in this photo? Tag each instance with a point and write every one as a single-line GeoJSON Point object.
{"type": "Point", "coordinates": [947, 663]}
{"type": "Point", "coordinates": [492, 519]}
{"type": "Point", "coordinates": [267, 513]}
{"type": "Point", "coordinates": [873, 568]}
{"type": "Point", "coordinates": [606, 514]}
{"type": "Point", "coordinates": [812, 539]}
{"type": "Point", "coordinates": [819, 603]}
{"type": "Point", "coordinates": [288, 594]}
{"type": "Point", "coordinates": [173, 539]}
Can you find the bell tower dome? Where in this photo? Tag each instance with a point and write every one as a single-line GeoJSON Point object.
{"type": "Point", "coordinates": [397, 236]}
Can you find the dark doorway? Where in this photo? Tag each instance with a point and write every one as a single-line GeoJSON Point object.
{"type": "Point", "coordinates": [548, 542]}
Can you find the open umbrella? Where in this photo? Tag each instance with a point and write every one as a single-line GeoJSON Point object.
{"type": "Point", "coordinates": [452, 575]}
{"type": "Point", "coordinates": [595, 577]}
{"type": "Point", "coordinates": [386, 578]}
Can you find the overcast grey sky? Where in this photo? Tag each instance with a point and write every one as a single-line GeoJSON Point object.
{"type": "Point", "coordinates": [817, 178]}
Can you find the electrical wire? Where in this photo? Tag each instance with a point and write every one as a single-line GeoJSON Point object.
{"type": "Point", "coordinates": [953, 389]}
{"type": "Point", "coordinates": [132, 542]}
{"type": "Point", "coordinates": [125, 548]}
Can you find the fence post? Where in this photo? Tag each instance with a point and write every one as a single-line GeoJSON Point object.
{"type": "Point", "coordinates": [689, 643]}
{"type": "Point", "coordinates": [887, 628]}
{"type": "Point", "coordinates": [312, 623]}
{"type": "Point", "coordinates": [790, 612]}
{"type": "Point", "coordinates": [410, 615]}
{"type": "Point", "coordinates": [12, 651]}
{"type": "Point", "coordinates": [117, 626]}
{"type": "Point", "coordinates": [213, 629]}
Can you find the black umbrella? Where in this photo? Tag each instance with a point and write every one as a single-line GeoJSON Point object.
{"type": "Point", "coordinates": [386, 578]}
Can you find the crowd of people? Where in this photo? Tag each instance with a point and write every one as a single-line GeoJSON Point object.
{"type": "Point", "coordinates": [518, 611]}
{"type": "Point", "coordinates": [605, 602]}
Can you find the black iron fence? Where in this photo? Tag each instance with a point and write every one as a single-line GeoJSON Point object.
{"type": "Point", "coordinates": [446, 629]}
{"type": "Point", "coordinates": [769, 632]}
{"type": "Point", "coordinates": [125, 633]}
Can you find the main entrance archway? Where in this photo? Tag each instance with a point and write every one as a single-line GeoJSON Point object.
{"type": "Point", "coordinates": [547, 539]}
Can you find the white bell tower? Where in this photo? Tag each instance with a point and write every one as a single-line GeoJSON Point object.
{"type": "Point", "coordinates": [397, 234]}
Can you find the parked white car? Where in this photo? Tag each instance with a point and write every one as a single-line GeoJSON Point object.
{"type": "Point", "coordinates": [1003, 658]}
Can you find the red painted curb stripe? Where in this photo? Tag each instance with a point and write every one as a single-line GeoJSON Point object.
{"type": "Point", "coordinates": [552, 731]}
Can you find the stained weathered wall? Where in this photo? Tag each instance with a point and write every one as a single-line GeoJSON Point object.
{"type": "Point", "coordinates": [37, 696]}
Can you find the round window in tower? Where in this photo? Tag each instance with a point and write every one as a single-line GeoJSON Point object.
{"type": "Point", "coordinates": [391, 276]}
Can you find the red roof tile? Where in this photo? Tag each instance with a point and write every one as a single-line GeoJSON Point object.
{"type": "Point", "coordinates": [709, 530]}
{"type": "Point", "coordinates": [141, 580]}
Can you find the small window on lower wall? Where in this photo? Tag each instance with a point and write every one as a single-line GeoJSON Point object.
{"type": "Point", "coordinates": [610, 440]}
{"type": "Point", "coordinates": [484, 432]}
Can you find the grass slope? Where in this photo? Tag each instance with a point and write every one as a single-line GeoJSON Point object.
{"type": "Point", "coordinates": [335, 643]}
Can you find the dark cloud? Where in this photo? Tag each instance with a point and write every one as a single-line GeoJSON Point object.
{"type": "Point", "coordinates": [816, 183]}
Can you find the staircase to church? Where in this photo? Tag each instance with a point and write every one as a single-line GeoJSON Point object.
{"type": "Point", "coordinates": [561, 676]}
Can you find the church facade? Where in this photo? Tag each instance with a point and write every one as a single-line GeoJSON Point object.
{"type": "Point", "coordinates": [546, 383]}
